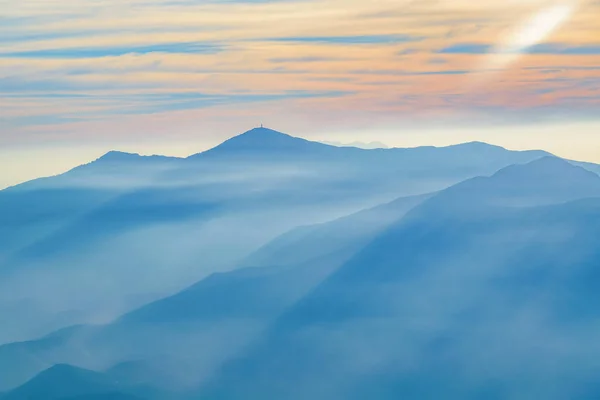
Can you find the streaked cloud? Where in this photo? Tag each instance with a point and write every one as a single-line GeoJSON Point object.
{"type": "Point", "coordinates": [544, 48]}
{"type": "Point", "coordinates": [349, 40]}
{"type": "Point", "coordinates": [81, 69]}
{"type": "Point", "coordinates": [116, 51]}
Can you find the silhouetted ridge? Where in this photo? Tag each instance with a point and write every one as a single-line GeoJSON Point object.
{"type": "Point", "coordinates": [548, 180]}
{"type": "Point", "coordinates": [478, 145]}
{"type": "Point", "coordinates": [66, 369]}
{"type": "Point", "coordinates": [261, 140]}
{"type": "Point", "coordinates": [549, 167]}
{"type": "Point", "coordinates": [120, 156]}
{"type": "Point", "coordinates": [62, 381]}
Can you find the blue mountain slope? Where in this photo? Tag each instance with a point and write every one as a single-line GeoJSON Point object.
{"type": "Point", "coordinates": [282, 271]}
{"type": "Point", "coordinates": [255, 294]}
{"type": "Point", "coordinates": [77, 244]}
{"type": "Point", "coordinates": [35, 210]}
{"type": "Point", "coordinates": [595, 168]}
{"type": "Point", "coordinates": [20, 361]}
{"type": "Point", "coordinates": [113, 170]}
{"type": "Point", "coordinates": [259, 142]}
{"type": "Point", "coordinates": [342, 236]}
{"type": "Point", "coordinates": [457, 162]}
{"type": "Point", "coordinates": [128, 211]}
{"type": "Point", "coordinates": [67, 382]}
{"type": "Point", "coordinates": [26, 216]}
{"type": "Point", "coordinates": [548, 180]}
{"type": "Point", "coordinates": [447, 303]}
{"type": "Point", "coordinates": [422, 307]}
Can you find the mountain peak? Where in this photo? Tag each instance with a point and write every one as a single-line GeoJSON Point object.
{"type": "Point", "coordinates": [118, 156]}
{"type": "Point", "coordinates": [62, 368]}
{"type": "Point", "coordinates": [262, 136]}
{"type": "Point", "coordinates": [262, 131]}
{"type": "Point", "coordinates": [263, 140]}
{"type": "Point", "coordinates": [547, 180]}
{"type": "Point", "coordinates": [484, 148]}
{"type": "Point", "coordinates": [65, 381]}
{"type": "Point", "coordinates": [477, 143]}
{"type": "Point", "coordinates": [549, 167]}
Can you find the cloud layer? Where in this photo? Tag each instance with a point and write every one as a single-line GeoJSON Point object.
{"type": "Point", "coordinates": [81, 71]}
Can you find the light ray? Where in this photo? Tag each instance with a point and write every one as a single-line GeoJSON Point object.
{"type": "Point", "coordinates": [532, 31]}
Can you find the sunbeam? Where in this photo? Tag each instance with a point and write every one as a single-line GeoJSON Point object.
{"type": "Point", "coordinates": [533, 31]}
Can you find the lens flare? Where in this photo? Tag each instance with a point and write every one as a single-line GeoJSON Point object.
{"type": "Point", "coordinates": [528, 34]}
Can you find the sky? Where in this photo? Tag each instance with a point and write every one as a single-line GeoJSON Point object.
{"type": "Point", "coordinates": [82, 77]}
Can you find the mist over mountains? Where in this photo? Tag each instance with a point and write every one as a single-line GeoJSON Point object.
{"type": "Point", "coordinates": [275, 267]}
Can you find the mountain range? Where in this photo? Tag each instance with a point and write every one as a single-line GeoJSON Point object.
{"type": "Point", "coordinates": [141, 228]}
{"type": "Point", "coordinates": [275, 267]}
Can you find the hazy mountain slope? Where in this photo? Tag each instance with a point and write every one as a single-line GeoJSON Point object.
{"type": "Point", "coordinates": [34, 216]}
{"type": "Point", "coordinates": [548, 180]}
{"type": "Point", "coordinates": [21, 361]}
{"type": "Point", "coordinates": [35, 209]}
{"type": "Point", "coordinates": [476, 301]}
{"type": "Point", "coordinates": [344, 235]}
{"type": "Point", "coordinates": [124, 230]}
{"type": "Point", "coordinates": [471, 255]}
{"type": "Point", "coordinates": [234, 304]}
{"type": "Point", "coordinates": [263, 142]}
{"type": "Point", "coordinates": [595, 168]}
{"type": "Point", "coordinates": [67, 382]}
{"type": "Point", "coordinates": [417, 170]}
{"type": "Point", "coordinates": [27, 216]}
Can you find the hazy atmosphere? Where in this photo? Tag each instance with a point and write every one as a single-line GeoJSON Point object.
{"type": "Point", "coordinates": [299, 199]}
